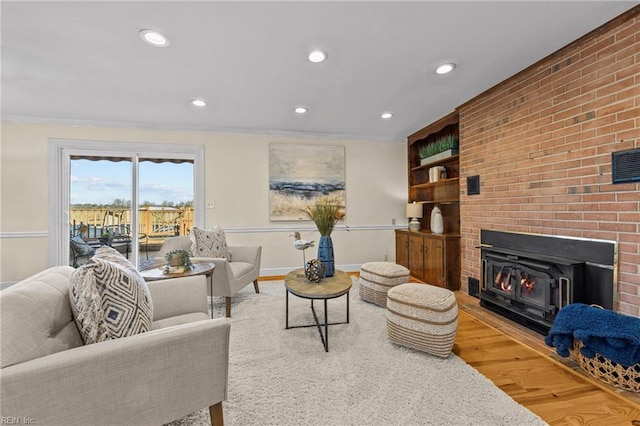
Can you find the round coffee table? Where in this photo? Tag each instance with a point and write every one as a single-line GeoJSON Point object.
{"type": "Point", "coordinates": [329, 288]}
{"type": "Point", "coordinates": [156, 273]}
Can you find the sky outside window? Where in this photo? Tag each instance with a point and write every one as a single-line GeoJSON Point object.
{"type": "Point", "coordinates": [100, 182]}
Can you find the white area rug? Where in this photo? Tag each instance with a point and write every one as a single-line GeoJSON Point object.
{"type": "Point", "coordinates": [284, 377]}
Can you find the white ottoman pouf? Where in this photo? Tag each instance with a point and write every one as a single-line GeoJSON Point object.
{"type": "Point", "coordinates": [376, 278]}
{"type": "Point", "coordinates": [422, 317]}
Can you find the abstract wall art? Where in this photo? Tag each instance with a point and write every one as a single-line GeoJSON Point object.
{"type": "Point", "coordinates": [300, 174]}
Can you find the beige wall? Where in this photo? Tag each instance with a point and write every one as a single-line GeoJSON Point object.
{"type": "Point", "coordinates": [236, 178]}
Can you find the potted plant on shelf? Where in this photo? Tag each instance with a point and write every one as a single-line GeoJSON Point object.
{"type": "Point", "coordinates": [439, 149]}
{"type": "Point", "coordinates": [325, 213]}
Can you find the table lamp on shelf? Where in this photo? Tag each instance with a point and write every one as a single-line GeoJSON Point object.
{"type": "Point", "coordinates": [414, 212]}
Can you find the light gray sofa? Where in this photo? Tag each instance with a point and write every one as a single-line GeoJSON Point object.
{"type": "Point", "coordinates": [49, 377]}
{"type": "Point", "coordinates": [229, 277]}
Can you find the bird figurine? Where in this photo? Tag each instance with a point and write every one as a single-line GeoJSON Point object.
{"type": "Point", "coordinates": [301, 244]}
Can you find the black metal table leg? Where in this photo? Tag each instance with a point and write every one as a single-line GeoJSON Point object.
{"type": "Point", "coordinates": [286, 320]}
{"type": "Point", "coordinates": [347, 308]}
{"type": "Point", "coordinates": [326, 328]}
{"type": "Point", "coordinates": [211, 294]}
{"type": "Point", "coordinates": [323, 337]}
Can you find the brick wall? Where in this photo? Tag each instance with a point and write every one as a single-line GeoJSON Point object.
{"type": "Point", "coordinates": [541, 143]}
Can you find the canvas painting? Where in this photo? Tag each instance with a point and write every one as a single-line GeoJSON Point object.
{"type": "Point", "coordinates": [300, 174]}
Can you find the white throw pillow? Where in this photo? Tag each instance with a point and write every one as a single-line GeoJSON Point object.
{"type": "Point", "coordinates": [108, 301]}
{"type": "Point", "coordinates": [209, 243]}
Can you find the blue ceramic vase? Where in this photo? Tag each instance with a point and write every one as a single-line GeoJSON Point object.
{"type": "Point", "coordinates": [325, 254]}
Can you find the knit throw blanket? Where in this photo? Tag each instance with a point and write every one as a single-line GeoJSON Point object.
{"type": "Point", "coordinates": [612, 335]}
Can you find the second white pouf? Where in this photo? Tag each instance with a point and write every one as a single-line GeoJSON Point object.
{"type": "Point", "coordinates": [376, 278]}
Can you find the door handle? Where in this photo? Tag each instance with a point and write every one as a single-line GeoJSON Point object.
{"type": "Point", "coordinates": [483, 278]}
{"type": "Point", "coordinates": [566, 283]}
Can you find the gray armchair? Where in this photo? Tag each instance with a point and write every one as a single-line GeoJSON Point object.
{"type": "Point", "coordinates": [48, 375]}
{"type": "Point", "coordinates": [229, 277]}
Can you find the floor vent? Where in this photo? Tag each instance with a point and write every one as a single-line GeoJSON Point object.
{"type": "Point", "coordinates": [474, 287]}
{"type": "Point", "coordinates": [625, 166]}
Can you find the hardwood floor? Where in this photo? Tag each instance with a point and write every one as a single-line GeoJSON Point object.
{"type": "Point", "coordinates": [518, 361]}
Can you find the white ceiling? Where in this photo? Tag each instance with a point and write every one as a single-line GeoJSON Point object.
{"type": "Point", "coordinates": [84, 63]}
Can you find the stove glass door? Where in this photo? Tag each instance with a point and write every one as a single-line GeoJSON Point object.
{"type": "Point", "coordinates": [535, 288]}
{"type": "Point", "coordinates": [500, 277]}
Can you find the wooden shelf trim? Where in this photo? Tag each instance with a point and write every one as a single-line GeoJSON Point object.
{"type": "Point", "coordinates": [436, 163]}
{"type": "Point", "coordinates": [453, 201]}
{"type": "Point", "coordinates": [429, 233]}
{"type": "Point", "coordinates": [434, 127]}
{"type": "Point", "coordinates": [438, 183]}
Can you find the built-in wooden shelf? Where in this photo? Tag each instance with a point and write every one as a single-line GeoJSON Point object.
{"type": "Point", "coordinates": [435, 163]}
{"type": "Point", "coordinates": [438, 183]}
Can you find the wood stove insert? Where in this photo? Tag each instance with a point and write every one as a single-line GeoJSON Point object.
{"type": "Point", "coordinates": [529, 277]}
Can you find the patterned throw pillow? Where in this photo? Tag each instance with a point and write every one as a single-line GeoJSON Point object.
{"type": "Point", "coordinates": [109, 301]}
{"type": "Point", "coordinates": [112, 255]}
{"type": "Point", "coordinates": [209, 243]}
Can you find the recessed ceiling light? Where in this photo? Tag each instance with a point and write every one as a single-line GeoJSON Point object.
{"type": "Point", "coordinates": [386, 115]}
{"type": "Point", "coordinates": [317, 56]}
{"type": "Point", "coordinates": [154, 38]}
{"type": "Point", "coordinates": [200, 103]}
{"type": "Point", "coordinates": [445, 68]}
{"type": "Point", "coordinates": [300, 110]}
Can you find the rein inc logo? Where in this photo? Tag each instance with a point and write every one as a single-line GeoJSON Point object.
{"type": "Point", "coordinates": [7, 420]}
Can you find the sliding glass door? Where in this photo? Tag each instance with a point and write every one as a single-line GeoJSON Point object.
{"type": "Point", "coordinates": [166, 194]}
{"type": "Point", "coordinates": [100, 206]}
{"type": "Point", "coordinates": [130, 199]}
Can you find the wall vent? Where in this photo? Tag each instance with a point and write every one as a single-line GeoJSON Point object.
{"type": "Point", "coordinates": [473, 185]}
{"type": "Point", "coordinates": [625, 166]}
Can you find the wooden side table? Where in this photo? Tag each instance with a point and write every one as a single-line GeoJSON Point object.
{"type": "Point", "coordinates": [329, 288]}
{"type": "Point", "coordinates": [156, 273]}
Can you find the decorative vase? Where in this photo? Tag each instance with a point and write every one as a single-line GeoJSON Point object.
{"type": "Point", "coordinates": [437, 222]}
{"type": "Point", "coordinates": [325, 254]}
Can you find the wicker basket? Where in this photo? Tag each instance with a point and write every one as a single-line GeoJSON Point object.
{"type": "Point", "coordinates": [608, 371]}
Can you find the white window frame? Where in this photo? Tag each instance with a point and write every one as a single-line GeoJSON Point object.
{"type": "Point", "coordinates": [59, 156]}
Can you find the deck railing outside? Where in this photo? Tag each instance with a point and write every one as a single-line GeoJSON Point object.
{"type": "Point", "coordinates": [156, 223]}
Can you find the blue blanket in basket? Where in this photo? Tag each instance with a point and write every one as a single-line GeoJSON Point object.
{"type": "Point", "coordinates": [612, 335]}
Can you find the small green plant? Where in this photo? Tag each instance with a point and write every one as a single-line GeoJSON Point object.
{"type": "Point", "coordinates": [178, 258]}
{"type": "Point", "coordinates": [442, 144]}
